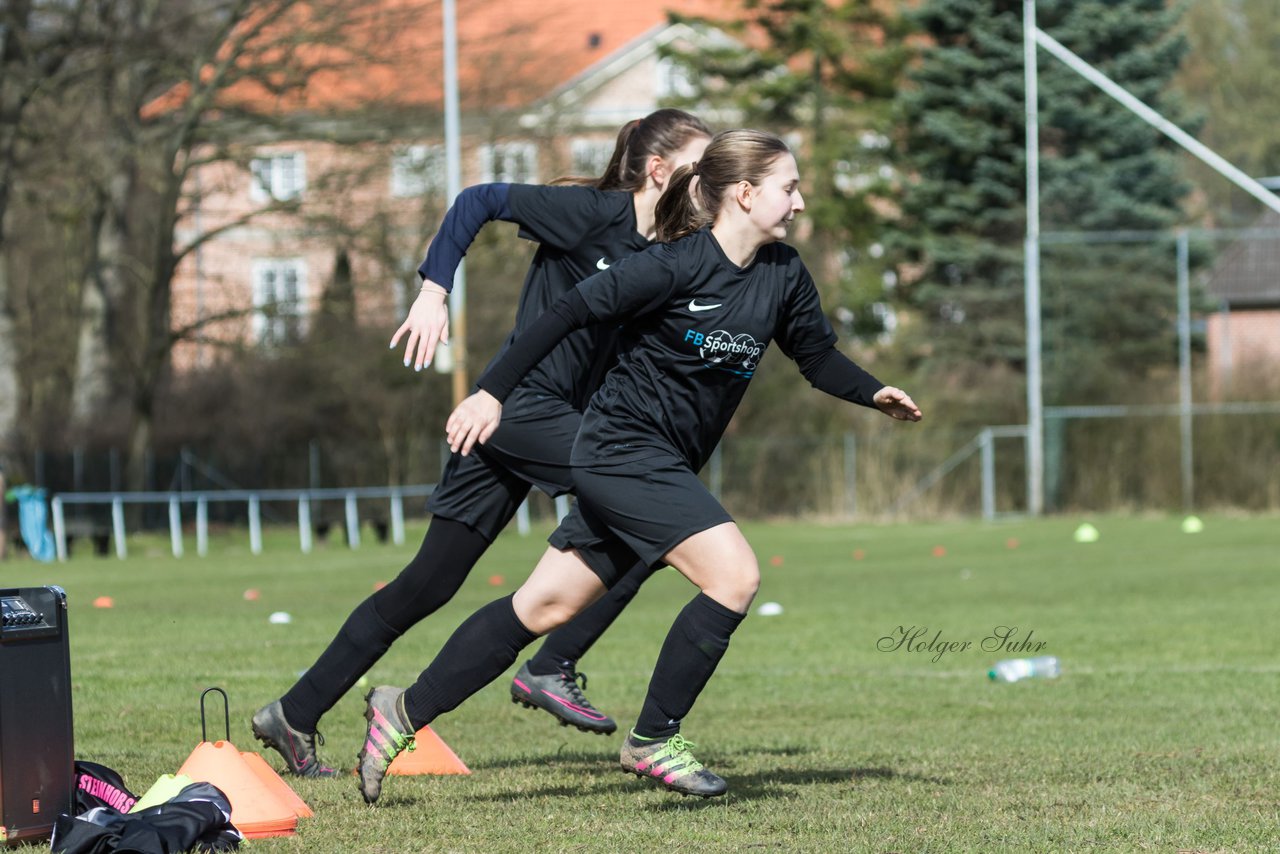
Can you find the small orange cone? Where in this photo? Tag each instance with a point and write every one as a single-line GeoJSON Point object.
{"type": "Point", "coordinates": [430, 755]}
{"type": "Point", "coordinates": [276, 784]}
{"type": "Point", "coordinates": [104, 602]}
{"type": "Point", "coordinates": [255, 810]}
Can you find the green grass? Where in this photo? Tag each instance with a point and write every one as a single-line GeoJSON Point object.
{"type": "Point", "coordinates": [1160, 735]}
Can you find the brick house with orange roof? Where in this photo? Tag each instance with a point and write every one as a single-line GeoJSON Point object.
{"type": "Point", "coordinates": [544, 87]}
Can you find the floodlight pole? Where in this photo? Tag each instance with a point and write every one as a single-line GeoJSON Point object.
{"type": "Point", "coordinates": [453, 182]}
{"type": "Point", "coordinates": [1035, 395]}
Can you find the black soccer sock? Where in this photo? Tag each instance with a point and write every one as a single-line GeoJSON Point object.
{"type": "Point", "coordinates": [694, 646]}
{"type": "Point", "coordinates": [563, 647]}
{"type": "Point", "coordinates": [361, 641]}
{"type": "Point", "coordinates": [485, 645]}
{"type": "Point", "coordinates": [448, 552]}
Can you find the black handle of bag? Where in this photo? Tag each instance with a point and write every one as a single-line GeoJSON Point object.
{"type": "Point", "coordinates": [226, 714]}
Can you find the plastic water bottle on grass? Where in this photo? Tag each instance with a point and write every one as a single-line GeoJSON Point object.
{"type": "Point", "coordinates": [1017, 669]}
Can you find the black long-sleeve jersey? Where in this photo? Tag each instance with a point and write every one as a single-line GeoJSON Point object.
{"type": "Point", "coordinates": [580, 231]}
{"type": "Point", "coordinates": [694, 329]}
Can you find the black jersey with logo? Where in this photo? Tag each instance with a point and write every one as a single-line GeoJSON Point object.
{"type": "Point", "coordinates": [581, 231]}
{"type": "Point", "coordinates": [697, 328]}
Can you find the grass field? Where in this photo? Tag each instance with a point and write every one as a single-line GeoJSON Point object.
{"type": "Point", "coordinates": [1160, 735]}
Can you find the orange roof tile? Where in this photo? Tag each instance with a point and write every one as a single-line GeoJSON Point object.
{"type": "Point", "coordinates": [510, 52]}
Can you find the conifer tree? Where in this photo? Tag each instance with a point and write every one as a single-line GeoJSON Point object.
{"type": "Point", "coordinates": [1107, 308]}
{"type": "Point", "coordinates": [824, 74]}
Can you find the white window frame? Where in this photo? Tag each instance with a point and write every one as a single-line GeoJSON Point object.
{"type": "Point", "coordinates": [510, 162]}
{"type": "Point", "coordinates": [417, 170]}
{"type": "Point", "coordinates": [589, 157]}
{"type": "Point", "coordinates": [280, 176]}
{"type": "Point", "coordinates": [274, 311]}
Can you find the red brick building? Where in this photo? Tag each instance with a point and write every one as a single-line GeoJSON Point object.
{"type": "Point", "coordinates": [544, 88]}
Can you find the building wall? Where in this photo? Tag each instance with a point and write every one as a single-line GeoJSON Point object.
{"type": "Point", "coordinates": [1243, 348]}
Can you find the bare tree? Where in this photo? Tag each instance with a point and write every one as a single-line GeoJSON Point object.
{"type": "Point", "coordinates": [36, 40]}
{"type": "Point", "coordinates": [181, 85]}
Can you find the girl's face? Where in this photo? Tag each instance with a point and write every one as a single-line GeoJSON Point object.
{"type": "Point", "coordinates": [776, 199]}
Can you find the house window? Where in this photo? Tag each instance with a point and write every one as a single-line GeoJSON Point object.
{"type": "Point", "coordinates": [590, 156]}
{"type": "Point", "coordinates": [514, 162]}
{"type": "Point", "coordinates": [279, 300]}
{"type": "Point", "coordinates": [417, 170]}
{"type": "Point", "coordinates": [278, 176]}
{"type": "Point", "coordinates": [673, 80]}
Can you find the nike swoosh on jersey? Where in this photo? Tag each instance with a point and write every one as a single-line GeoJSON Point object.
{"type": "Point", "coordinates": [693, 306]}
{"type": "Point", "coordinates": [601, 265]}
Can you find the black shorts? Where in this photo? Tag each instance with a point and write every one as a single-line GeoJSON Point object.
{"type": "Point", "coordinates": [531, 448]}
{"type": "Point", "coordinates": [484, 489]}
{"type": "Point", "coordinates": [649, 506]}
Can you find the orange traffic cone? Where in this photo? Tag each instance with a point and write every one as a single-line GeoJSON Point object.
{"type": "Point", "coordinates": [255, 810]}
{"type": "Point", "coordinates": [430, 755]}
{"type": "Point", "coordinates": [276, 784]}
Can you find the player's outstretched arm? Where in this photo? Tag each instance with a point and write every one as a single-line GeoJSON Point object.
{"type": "Point", "coordinates": [896, 403]}
{"type": "Point", "coordinates": [473, 421]}
{"type": "Point", "coordinates": [427, 326]}
{"type": "Point", "coordinates": [428, 321]}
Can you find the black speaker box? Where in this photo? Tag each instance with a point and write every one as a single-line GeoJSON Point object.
{"type": "Point", "coordinates": [37, 756]}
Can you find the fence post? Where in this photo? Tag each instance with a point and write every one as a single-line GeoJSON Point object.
{"type": "Point", "coordinates": [117, 528]}
{"type": "Point", "coordinates": [397, 517]}
{"type": "Point", "coordinates": [255, 525]}
{"type": "Point", "coordinates": [353, 522]}
{"type": "Point", "coordinates": [59, 527]}
{"type": "Point", "coordinates": [202, 526]}
{"type": "Point", "coordinates": [304, 524]}
{"type": "Point", "coordinates": [1184, 370]}
{"type": "Point", "coordinates": [562, 507]}
{"type": "Point", "coordinates": [988, 474]}
{"type": "Point", "coordinates": [522, 518]}
{"type": "Point", "coordinates": [175, 526]}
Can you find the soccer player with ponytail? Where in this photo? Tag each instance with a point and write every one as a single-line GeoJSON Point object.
{"type": "Point", "coordinates": [698, 312]}
{"type": "Point", "coordinates": [582, 226]}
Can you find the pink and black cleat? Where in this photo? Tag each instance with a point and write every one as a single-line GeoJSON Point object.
{"type": "Point", "coordinates": [560, 695]}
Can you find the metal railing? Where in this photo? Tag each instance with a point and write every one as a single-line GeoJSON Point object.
{"type": "Point", "coordinates": [252, 498]}
{"type": "Point", "coordinates": [395, 495]}
{"type": "Point", "coordinates": [984, 445]}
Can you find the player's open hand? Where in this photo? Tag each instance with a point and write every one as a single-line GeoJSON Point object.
{"type": "Point", "coordinates": [473, 421]}
{"type": "Point", "coordinates": [427, 325]}
{"type": "Point", "coordinates": [896, 403]}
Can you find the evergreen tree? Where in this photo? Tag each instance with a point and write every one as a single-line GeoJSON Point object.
{"type": "Point", "coordinates": [1108, 309]}
{"type": "Point", "coordinates": [824, 73]}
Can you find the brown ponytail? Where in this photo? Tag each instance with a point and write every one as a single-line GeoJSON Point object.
{"type": "Point", "coordinates": [731, 156]}
{"type": "Point", "coordinates": [662, 133]}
